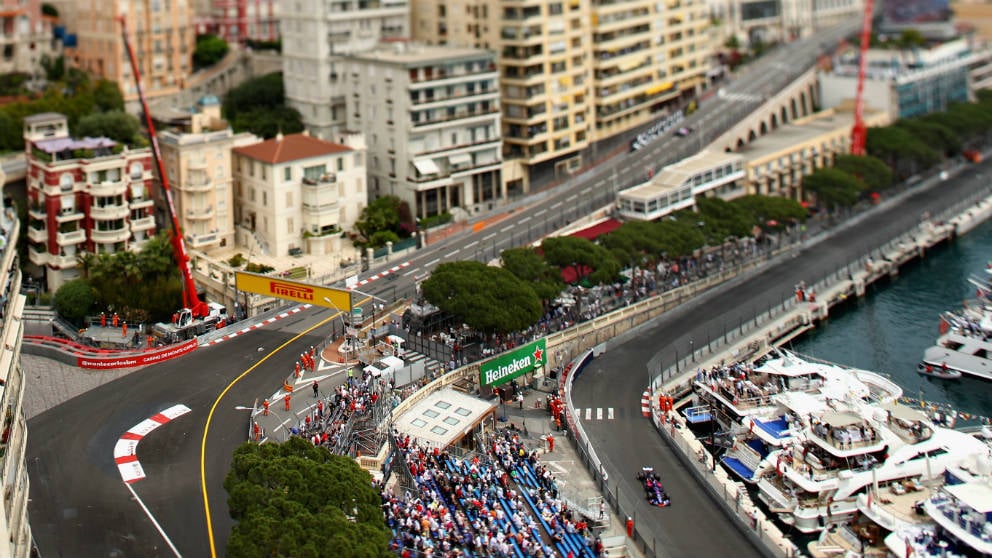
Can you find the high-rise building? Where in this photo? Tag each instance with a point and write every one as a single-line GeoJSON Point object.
{"type": "Point", "coordinates": [84, 195]}
{"type": "Point", "coordinates": [575, 72]}
{"type": "Point", "coordinates": [14, 528]}
{"type": "Point", "coordinates": [25, 36]}
{"type": "Point", "coordinates": [197, 160]}
{"type": "Point", "coordinates": [753, 22]}
{"type": "Point", "coordinates": [431, 118]}
{"type": "Point", "coordinates": [299, 193]}
{"type": "Point", "coordinates": [315, 35]}
{"type": "Point", "coordinates": [161, 32]}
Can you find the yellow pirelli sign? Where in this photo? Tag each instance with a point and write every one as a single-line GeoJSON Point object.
{"type": "Point", "coordinates": [286, 289]}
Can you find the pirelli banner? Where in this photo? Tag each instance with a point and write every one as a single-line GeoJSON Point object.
{"type": "Point", "coordinates": [516, 363]}
{"type": "Point", "coordinates": [293, 290]}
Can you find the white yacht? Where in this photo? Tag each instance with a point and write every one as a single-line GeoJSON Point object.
{"type": "Point", "coordinates": [964, 345]}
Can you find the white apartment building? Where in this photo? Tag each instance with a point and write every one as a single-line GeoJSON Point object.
{"type": "Point", "coordinates": [708, 173]}
{"type": "Point", "coordinates": [767, 21]}
{"type": "Point", "coordinates": [298, 193]}
{"type": "Point", "coordinates": [197, 161]}
{"type": "Point", "coordinates": [576, 72]}
{"type": "Point", "coordinates": [15, 532]}
{"type": "Point", "coordinates": [431, 118]}
{"type": "Point", "coordinates": [315, 35]}
{"type": "Point", "coordinates": [25, 36]}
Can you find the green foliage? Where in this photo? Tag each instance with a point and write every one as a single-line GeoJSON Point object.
{"type": "Point", "coordinates": [14, 83]}
{"type": "Point", "coordinates": [210, 49]}
{"type": "Point", "coordinates": [74, 299]}
{"type": "Point", "coordinates": [385, 214]}
{"type": "Point", "coordinates": [487, 299]}
{"type": "Point", "coordinates": [590, 261]}
{"type": "Point", "coordinates": [910, 38]}
{"type": "Point", "coordinates": [719, 219]}
{"type": "Point", "coordinates": [54, 67]}
{"type": "Point", "coordinates": [253, 267]}
{"type": "Point", "coordinates": [528, 266]}
{"type": "Point", "coordinates": [116, 125]}
{"type": "Point", "coordinates": [761, 209]}
{"type": "Point", "coordinates": [269, 122]}
{"type": "Point", "coordinates": [833, 188]}
{"type": "Point", "coordinates": [108, 96]}
{"type": "Point", "coordinates": [140, 285]}
{"type": "Point", "coordinates": [905, 153]}
{"type": "Point", "coordinates": [236, 260]}
{"type": "Point", "coordinates": [871, 171]}
{"type": "Point", "coordinates": [298, 500]}
{"type": "Point", "coordinates": [10, 132]}
{"type": "Point", "coordinates": [435, 220]}
{"type": "Point", "coordinates": [264, 45]}
{"type": "Point", "coordinates": [49, 10]}
{"type": "Point", "coordinates": [265, 92]}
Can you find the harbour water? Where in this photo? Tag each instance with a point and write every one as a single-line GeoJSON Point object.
{"type": "Point", "coordinates": [888, 330]}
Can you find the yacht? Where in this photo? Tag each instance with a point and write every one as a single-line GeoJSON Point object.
{"type": "Point", "coordinates": [964, 346]}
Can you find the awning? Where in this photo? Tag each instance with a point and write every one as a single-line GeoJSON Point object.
{"type": "Point", "coordinates": [460, 159]}
{"type": "Point", "coordinates": [659, 88]}
{"type": "Point", "coordinates": [426, 166]}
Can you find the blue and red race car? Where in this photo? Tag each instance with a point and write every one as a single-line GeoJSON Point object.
{"type": "Point", "coordinates": [653, 489]}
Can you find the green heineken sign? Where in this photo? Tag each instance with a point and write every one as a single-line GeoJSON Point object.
{"type": "Point", "coordinates": [516, 363]}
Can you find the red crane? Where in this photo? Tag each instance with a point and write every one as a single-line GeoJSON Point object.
{"type": "Point", "coordinates": [190, 299]}
{"type": "Point", "coordinates": [859, 133]}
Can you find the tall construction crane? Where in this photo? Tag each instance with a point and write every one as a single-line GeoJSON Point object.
{"type": "Point", "coordinates": [859, 133]}
{"type": "Point", "coordinates": [191, 301]}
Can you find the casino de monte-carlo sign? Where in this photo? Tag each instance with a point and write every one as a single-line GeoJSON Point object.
{"type": "Point", "coordinates": [516, 363]}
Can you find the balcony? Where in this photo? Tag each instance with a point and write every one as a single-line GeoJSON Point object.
{"type": "Point", "coordinates": [62, 262]}
{"type": "Point", "coordinates": [38, 257]}
{"type": "Point", "coordinates": [111, 236]}
{"type": "Point", "coordinates": [37, 212]}
{"type": "Point", "coordinates": [70, 237]}
{"type": "Point", "coordinates": [107, 188]}
{"type": "Point", "coordinates": [143, 224]}
{"type": "Point", "coordinates": [201, 240]}
{"type": "Point", "coordinates": [196, 185]}
{"type": "Point", "coordinates": [68, 216]}
{"type": "Point", "coordinates": [141, 203]}
{"type": "Point", "coordinates": [37, 235]}
{"type": "Point", "coordinates": [108, 212]}
{"type": "Point", "coordinates": [200, 213]}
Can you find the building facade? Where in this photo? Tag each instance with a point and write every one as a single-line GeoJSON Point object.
{"type": "Point", "coordinates": [431, 119]}
{"type": "Point", "coordinates": [298, 193]}
{"type": "Point", "coordinates": [14, 527]}
{"type": "Point", "coordinates": [316, 35]}
{"type": "Point", "coordinates": [777, 162]}
{"type": "Point", "coordinates": [84, 196]}
{"type": "Point", "coordinates": [677, 186]}
{"type": "Point", "coordinates": [239, 20]}
{"type": "Point", "coordinates": [197, 161]}
{"type": "Point", "coordinates": [161, 31]}
{"type": "Point", "coordinates": [752, 22]}
{"type": "Point", "coordinates": [577, 72]}
{"type": "Point", "coordinates": [25, 36]}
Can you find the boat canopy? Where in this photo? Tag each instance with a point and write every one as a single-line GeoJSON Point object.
{"type": "Point", "coordinates": [838, 420]}
{"type": "Point", "coordinates": [902, 412]}
{"type": "Point", "coordinates": [976, 495]}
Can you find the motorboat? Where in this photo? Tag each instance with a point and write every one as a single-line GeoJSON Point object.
{"type": "Point", "coordinates": [964, 346]}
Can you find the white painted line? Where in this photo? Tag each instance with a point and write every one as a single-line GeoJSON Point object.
{"type": "Point", "coordinates": [471, 244]}
{"type": "Point", "coordinates": [432, 262]}
{"type": "Point", "coordinates": [506, 228]}
{"type": "Point", "coordinates": [573, 197]}
{"type": "Point", "coordinates": [131, 472]}
{"type": "Point", "coordinates": [541, 212]}
{"type": "Point", "coordinates": [588, 413]}
{"type": "Point", "coordinates": [449, 254]}
{"type": "Point", "coordinates": [555, 205]}
{"type": "Point", "coordinates": [585, 190]}
{"type": "Point", "coordinates": [488, 236]}
{"type": "Point", "coordinates": [176, 411]}
{"type": "Point", "coordinates": [524, 220]}
{"type": "Point", "coordinates": [409, 272]}
{"type": "Point", "coordinates": [155, 523]}
{"type": "Point", "coordinates": [609, 413]}
{"type": "Point", "coordinates": [599, 413]}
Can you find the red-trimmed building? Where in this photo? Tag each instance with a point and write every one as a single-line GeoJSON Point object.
{"type": "Point", "coordinates": [84, 195]}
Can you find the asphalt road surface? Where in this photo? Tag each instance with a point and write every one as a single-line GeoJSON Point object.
{"type": "Point", "coordinates": [618, 378]}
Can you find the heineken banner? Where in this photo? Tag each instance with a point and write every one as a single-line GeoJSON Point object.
{"type": "Point", "coordinates": [517, 362]}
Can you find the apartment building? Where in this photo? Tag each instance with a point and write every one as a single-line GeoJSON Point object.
{"type": "Point", "coordinates": [431, 119]}
{"type": "Point", "coordinates": [25, 36]}
{"type": "Point", "coordinates": [299, 193]}
{"type": "Point", "coordinates": [767, 21]}
{"type": "Point", "coordinates": [15, 531]}
{"type": "Point", "coordinates": [161, 31]}
{"type": "Point", "coordinates": [196, 155]}
{"type": "Point", "coordinates": [316, 34]}
{"type": "Point", "coordinates": [575, 72]}
{"type": "Point", "coordinates": [239, 20]}
{"type": "Point", "coordinates": [84, 195]}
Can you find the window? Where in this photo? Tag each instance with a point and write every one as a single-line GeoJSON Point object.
{"type": "Point", "coordinates": [315, 172]}
{"type": "Point", "coordinates": [265, 198]}
{"type": "Point", "coordinates": [340, 161]}
{"type": "Point", "coordinates": [136, 170]}
{"type": "Point", "coordinates": [287, 174]}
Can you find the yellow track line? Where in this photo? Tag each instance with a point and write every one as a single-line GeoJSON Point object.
{"type": "Point", "coordinates": [210, 416]}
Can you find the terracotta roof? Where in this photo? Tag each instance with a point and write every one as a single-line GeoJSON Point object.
{"type": "Point", "coordinates": [282, 149]}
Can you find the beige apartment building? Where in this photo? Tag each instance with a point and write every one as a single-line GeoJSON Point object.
{"type": "Point", "coordinates": [431, 118]}
{"type": "Point", "coordinates": [297, 194]}
{"type": "Point", "coordinates": [15, 532]}
{"type": "Point", "coordinates": [25, 36]}
{"type": "Point", "coordinates": [763, 21]}
{"type": "Point", "coordinates": [161, 32]}
{"type": "Point", "coordinates": [197, 159]}
{"type": "Point", "coordinates": [574, 72]}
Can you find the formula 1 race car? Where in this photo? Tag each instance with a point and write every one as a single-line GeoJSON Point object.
{"type": "Point", "coordinates": [654, 491]}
